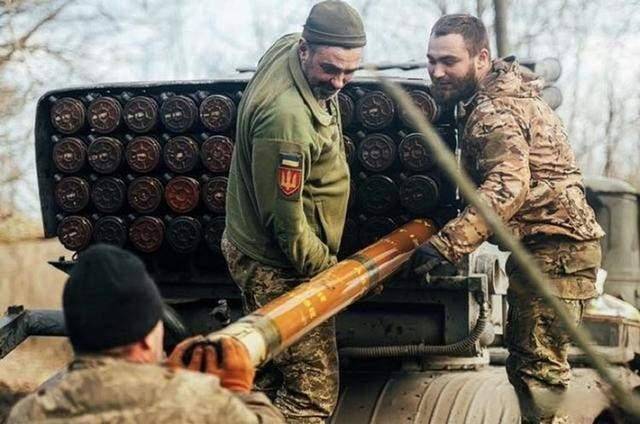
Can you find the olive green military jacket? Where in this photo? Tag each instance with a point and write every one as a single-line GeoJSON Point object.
{"type": "Point", "coordinates": [515, 148]}
{"type": "Point", "coordinates": [104, 390]}
{"type": "Point", "coordinates": [289, 180]}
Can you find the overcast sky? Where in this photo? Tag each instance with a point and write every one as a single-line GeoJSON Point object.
{"type": "Point", "coordinates": [134, 40]}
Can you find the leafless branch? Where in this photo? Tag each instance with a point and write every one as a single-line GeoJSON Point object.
{"type": "Point", "coordinates": [21, 42]}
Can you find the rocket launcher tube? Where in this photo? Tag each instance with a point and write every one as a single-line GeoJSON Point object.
{"type": "Point", "coordinates": [280, 323]}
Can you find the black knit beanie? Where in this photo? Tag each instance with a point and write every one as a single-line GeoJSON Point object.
{"type": "Point", "coordinates": [109, 300]}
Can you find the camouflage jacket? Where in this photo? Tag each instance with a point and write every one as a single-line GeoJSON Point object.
{"type": "Point", "coordinates": [289, 179]}
{"type": "Point", "coordinates": [515, 148]}
{"type": "Point", "coordinates": [101, 389]}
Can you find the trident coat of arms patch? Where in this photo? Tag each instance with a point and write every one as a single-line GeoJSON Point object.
{"type": "Point", "coordinates": [290, 174]}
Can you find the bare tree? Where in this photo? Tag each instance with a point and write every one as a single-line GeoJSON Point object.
{"type": "Point", "coordinates": [612, 135]}
{"type": "Point", "coordinates": [44, 44]}
{"type": "Point", "coordinates": [56, 43]}
{"type": "Point", "coordinates": [22, 43]}
{"type": "Point", "coordinates": [502, 33]}
{"type": "Point", "coordinates": [481, 6]}
{"type": "Point", "coordinates": [17, 46]}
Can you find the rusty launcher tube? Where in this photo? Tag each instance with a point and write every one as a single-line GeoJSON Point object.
{"type": "Point", "coordinates": [277, 325]}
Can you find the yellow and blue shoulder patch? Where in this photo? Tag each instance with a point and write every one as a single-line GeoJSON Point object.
{"type": "Point", "coordinates": [290, 174]}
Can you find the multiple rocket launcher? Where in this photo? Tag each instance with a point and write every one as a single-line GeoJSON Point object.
{"type": "Point", "coordinates": [145, 167]}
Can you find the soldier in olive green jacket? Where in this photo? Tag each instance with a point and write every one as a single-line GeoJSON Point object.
{"type": "Point", "coordinates": [288, 190]}
{"type": "Point", "coordinates": [516, 149]}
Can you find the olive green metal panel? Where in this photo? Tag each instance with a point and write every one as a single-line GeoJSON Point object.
{"type": "Point", "coordinates": [616, 206]}
{"type": "Point", "coordinates": [460, 397]}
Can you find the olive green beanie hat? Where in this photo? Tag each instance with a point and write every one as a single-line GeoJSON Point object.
{"type": "Point", "coordinates": [334, 23]}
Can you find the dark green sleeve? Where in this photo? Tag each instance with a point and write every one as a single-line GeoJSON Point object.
{"type": "Point", "coordinates": [279, 184]}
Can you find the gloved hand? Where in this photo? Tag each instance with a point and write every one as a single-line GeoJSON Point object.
{"type": "Point", "coordinates": [234, 368]}
{"type": "Point", "coordinates": [237, 372]}
{"type": "Point", "coordinates": [179, 355]}
{"type": "Point", "coordinates": [427, 259]}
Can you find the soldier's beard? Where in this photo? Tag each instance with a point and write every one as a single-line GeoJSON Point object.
{"type": "Point", "coordinates": [323, 92]}
{"type": "Point", "coordinates": [453, 90]}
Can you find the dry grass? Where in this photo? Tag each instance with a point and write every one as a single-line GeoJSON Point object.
{"type": "Point", "coordinates": [15, 227]}
{"type": "Point", "coordinates": [27, 279]}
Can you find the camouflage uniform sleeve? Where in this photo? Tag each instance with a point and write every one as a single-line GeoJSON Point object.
{"type": "Point", "coordinates": [281, 165]}
{"type": "Point", "coordinates": [502, 164]}
{"type": "Point", "coordinates": [23, 412]}
{"type": "Point", "coordinates": [200, 398]}
{"type": "Point", "coordinates": [263, 408]}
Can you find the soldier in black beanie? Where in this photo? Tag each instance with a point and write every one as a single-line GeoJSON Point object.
{"type": "Point", "coordinates": [110, 300]}
{"type": "Point", "coordinates": [112, 309]}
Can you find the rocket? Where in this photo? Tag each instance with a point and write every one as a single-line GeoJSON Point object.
{"type": "Point", "coordinates": [280, 323]}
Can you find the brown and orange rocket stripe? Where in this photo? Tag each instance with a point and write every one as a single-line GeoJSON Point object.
{"type": "Point", "coordinates": [277, 325]}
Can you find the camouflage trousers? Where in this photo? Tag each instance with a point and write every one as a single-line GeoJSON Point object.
{"type": "Point", "coordinates": [538, 344]}
{"type": "Point", "coordinates": [305, 375]}
{"type": "Point", "coordinates": [537, 365]}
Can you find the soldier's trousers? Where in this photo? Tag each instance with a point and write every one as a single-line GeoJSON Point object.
{"type": "Point", "coordinates": [308, 370]}
{"type": "Point", "coordinates": [538, 344]}
{"type": "Point", "coordinates": [537, 365]}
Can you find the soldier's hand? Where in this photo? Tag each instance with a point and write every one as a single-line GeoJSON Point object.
{"type": "Point", "coordinates": [179, 355]}
{"type": "Point", "coordinates": [235, 370]}
{"type": "Point", "coordinates": [427, 259]}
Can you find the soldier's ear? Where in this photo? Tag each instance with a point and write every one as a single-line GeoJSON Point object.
{"type": "Point", "coordinates": [483, 62]}
{"type": "Point", "coordinates": [303, 50]}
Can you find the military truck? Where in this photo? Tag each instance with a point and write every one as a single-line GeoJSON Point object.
{"type": "Point", "coordinates": [144, 165]}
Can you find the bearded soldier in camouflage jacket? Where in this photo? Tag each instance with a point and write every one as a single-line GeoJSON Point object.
{"type": "Point", "coordinates": [515, 148]}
